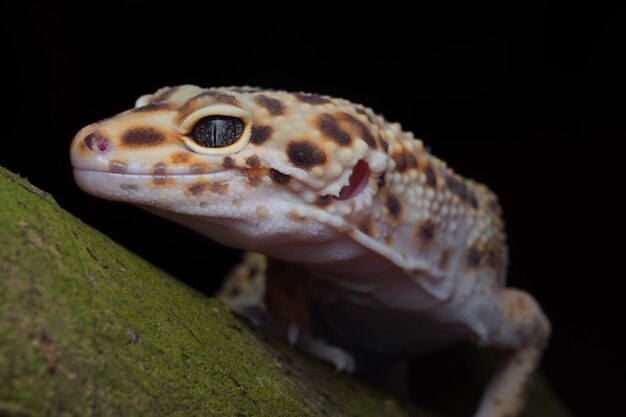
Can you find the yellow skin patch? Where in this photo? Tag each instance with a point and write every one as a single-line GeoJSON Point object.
{"type": "Point", "coordinates": [399, 251]}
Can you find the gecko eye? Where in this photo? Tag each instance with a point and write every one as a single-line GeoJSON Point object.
{"type": "Point", "coordinates": [217, 131]}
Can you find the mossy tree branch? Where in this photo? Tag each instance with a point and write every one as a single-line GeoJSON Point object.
{"type": "Point", "coordinates": [88, 328]}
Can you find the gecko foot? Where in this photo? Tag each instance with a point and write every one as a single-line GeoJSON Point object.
{"type": "Point", "coordinates": [341, 359]}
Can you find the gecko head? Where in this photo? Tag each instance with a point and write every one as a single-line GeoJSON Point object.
{"type": "Point", "coordinates": [240, 154]}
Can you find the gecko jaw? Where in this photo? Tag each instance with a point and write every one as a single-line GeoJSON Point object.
{"type": "Point", "coordinates": [151, 175]}
{"type": "Point", "coordinates": [142, 188]}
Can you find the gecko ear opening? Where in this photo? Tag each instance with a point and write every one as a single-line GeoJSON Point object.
{"type": "Point", "coordinates": [357, 181]}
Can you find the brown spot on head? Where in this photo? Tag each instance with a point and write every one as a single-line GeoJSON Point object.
{"type": "Point", "coordinates": [361, 129]}
{"type": "Point", "coordinates": [313, 99]}
{"type": "Point", "coordinates": [228, 162]}
{"type": "Point", "coordinates": [260, 134]}
{"type": "Point", "coordinates": [181, 157]}
{"type": "Point", "coordinates": [305, 154]}
{"type": "Point", "coordinates": [404, 161]}
{"type": "Point", "coordinates": [400, 160]}
{"type": "Point", "coordinates": [142, 136]}
{"type": "Point", "coordinates": [159, 168]}
{"type": "Point", "coordinates": [254, 174]}
{"type": "Point", "coordinates": [198, 188]}
{"type": "Point", "coordinates": [473, 257]}
{"type": "Point", "coordinates": [220, 188]}
{"type": "Point", "coordinates": [253, 161]}
{"type": "Point", "coordinates": [278, 177]}
{"type": "Point", "coordinates": [431, 177]}
{"type": "Point", "coordinates": [273, 106]}
{"type": "Point", "coordinates": [159, 172]}
{"type": "Point", "coordinates": [118, 167]}
{"type": "Point", "coordinates": [410, 159]}
{"type": "Point", "coordinates": [324, 200]}
{"type": "Point", "coordinates": [214, 187]}
{"type": "Point", "coordinates": [394, 207]}
{"type": "Point", "coordinates": [331, 129]}
{"type": "Point", "coordinates": [151, 107]}
{"type": "Point", "coordinates": [460, 188]}
{"type": "Point", "coordinates": [425, 233]}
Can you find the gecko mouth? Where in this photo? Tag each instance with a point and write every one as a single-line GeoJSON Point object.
{"type": "Point", "coordinates": [113, 185]}
{"type": "Point", "coordinates": [122, 169]}
{"type": "Point", "coordinates": [162, 186]}
{"type": "Point", "coordinates": [94, 181]}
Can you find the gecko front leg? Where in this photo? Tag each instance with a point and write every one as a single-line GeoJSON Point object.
{"type": "Point", "coordinates": [277, 297]}
{"type": "Point", "coordinates": [524, 330]}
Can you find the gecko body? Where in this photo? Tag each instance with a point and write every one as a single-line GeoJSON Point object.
{"type": "Point", "coordinates": [349, 219]}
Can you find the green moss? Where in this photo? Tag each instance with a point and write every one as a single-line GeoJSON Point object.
{"type": "Point", "coordinates": [88, 328]}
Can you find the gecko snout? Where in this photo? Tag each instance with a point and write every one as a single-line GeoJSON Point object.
{"type": "Point", "coordinates": [91, 149]}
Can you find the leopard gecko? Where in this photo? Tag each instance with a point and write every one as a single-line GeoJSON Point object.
{"type": "Point", "coordinates": [348, 221]}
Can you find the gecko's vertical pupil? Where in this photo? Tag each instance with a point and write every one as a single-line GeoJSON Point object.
{"type": "Point", "coordinates": [217, 131]}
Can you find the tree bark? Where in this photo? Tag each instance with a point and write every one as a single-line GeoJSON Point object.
{"type": "Point", "coordinates": [88, 328]}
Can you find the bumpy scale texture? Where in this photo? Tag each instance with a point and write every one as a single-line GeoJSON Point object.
{"type": "Point", "coordinates": [357, 233]}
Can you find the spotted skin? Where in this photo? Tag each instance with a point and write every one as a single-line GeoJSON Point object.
{"type": "Point", "coordinates": [373, 240]}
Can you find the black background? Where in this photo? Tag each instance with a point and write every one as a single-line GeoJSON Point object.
{"type": "Point", "coordinates": [526, 101]}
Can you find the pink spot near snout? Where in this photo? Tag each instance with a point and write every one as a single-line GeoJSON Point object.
{"type": "Point", "coordinates": [102, 144]}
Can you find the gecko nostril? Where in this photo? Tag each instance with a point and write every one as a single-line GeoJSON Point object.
{"type": "Point", "coordinates": [95, 142]}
